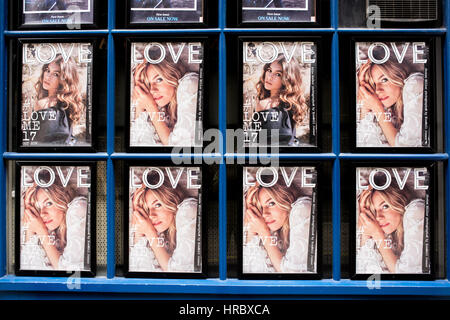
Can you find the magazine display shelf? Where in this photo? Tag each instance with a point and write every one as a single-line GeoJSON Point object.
{"type": "Point", "coordinates": [15, 286]}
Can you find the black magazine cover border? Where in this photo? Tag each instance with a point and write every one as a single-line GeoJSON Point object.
{"type": "Point", "coordinates": [92, 213]}
{"type": "Point", "coordinates": [348, 195]}
{"type": "Point", "coordinates": [16, 21]}
{"type": "Point", "coordinates": [319, 85]}
{"type": "Point", "coordinates": [239, 194]}
{"type": "Point", "coordinates": [350, 90]}
{"type": "Point", "coordinates": [125, 221]}
{"type": "Point", "coordinates": [15, 94]}
{"type": "Point", "coordinates": [203, 72]}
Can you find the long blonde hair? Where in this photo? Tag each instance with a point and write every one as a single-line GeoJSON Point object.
{"type": "Point", "coordinates": [284, 197]}
{"type": "Point", "coordinates": [291, 93]}
{"type": "Point", "coordinates": [68, 92]}
{"type": "Point", "coordinates": [172, 73]}
{"type": "Point", "coordinates": [61, 196]}
{"type": "Point", "coordinates": [170, 198]}
{"type": "Point", "coordinates": [396, 75]}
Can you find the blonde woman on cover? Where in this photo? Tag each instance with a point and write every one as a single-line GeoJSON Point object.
{"type": "Point", "coordinates": [165, 96]}
{"type": "Point", "coordinates": [390, 232]}
{"type": "Point", "coordinates": [276, 230]}
{"type": "Point", "coordinates": [280, 89]}
{"type": "Point", "coordinates": [162, 230]}
{"type": "Point", "coordinates": [53, 229]}
{"type": "Point", "coordinates": [391, 105]}
{"type": "Point", "coordinates": [60, 102]}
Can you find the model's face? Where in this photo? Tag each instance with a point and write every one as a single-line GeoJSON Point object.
{"type": "Point", "coordinates": [387, 92]}
{"type": "Point", "coordinates": [160, 89]}
{"type": "Point", "coordinates": [50, 81]}
{"type": "Point", "coordinates": [274, 215]}
{"type": "Point", "coordinates": [388, 219]}
{"type": "Point", "coordinates": [161, 217]}
{"type": "Point", "coordinates": [51, 214]}
{"type": "Point", "coordinates": [272, 77]}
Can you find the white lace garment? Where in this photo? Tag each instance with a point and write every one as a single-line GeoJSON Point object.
{"type": "Point", "coordinates": [143, 133]}
{"type": "Point", "coordinates": [142, 258]}
{"type": "Point", "coordinates": [33, 256]}
{"type": "Point", "coordinates": [255, 257]}
{"type": "Point", "coordinates": [369, 133]}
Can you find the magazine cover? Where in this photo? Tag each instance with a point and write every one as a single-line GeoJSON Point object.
{"type": "Point", "coordinates": [57, 12]}
{"type": "Point", "coordinates": [279, 220]}
{"type": "Point", "coordinates": [56, 108]}
{"type": "Point", "coordinates": [55, 214]}
{"type": "Point", "coordinates": [393, 228]}
{"type": "Point", "coordinates": [165, 219]}
{"type": "Point", "coordinates": [279, 94]}
{"type": "Point", "coordinates": [166, 11]}
{"type": "Point", "coordinates": [166, 80]}
{"type": "Point", "coordinates": [392, 88]}
{"type": "Point", "coordinates": [278, 11]}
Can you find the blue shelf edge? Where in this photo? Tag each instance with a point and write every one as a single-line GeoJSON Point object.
{"type": "Point", "coordinates": [409, 31]}
{"type": "Point", "coordinates": [164, 31]}
{"type": "Point", "coordinates": [97, 32]}
{"type": "Point", "coordinates": [149, 156]}
{"type": "Point", "coordinates": [390, 156]}
{"type": "Point", "coordinates": [278, 30]}
{"type": "Point", "coordinates": [229, 286]}
{"type": "Point", "coordinates": [293, 156]}
{"type": "Point", "coordinates": [111, 284]}
{"type": "Point", "coordinates": [55, 156]}
{"type": "Point", "coordinates": [46, 33]}
{"type": "Point", "coordinates": [227, 156]}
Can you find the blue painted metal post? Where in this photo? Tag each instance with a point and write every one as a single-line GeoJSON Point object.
{"type": "Point", "coordinates": [446, 130]}
{"type": "Point", "coordinates": [110, 178]}
{"type": "Point", "coordinates": [3, 132]}
{"type": "Point", "coordinates": [222, 128]}
{"type": "Point", "coordinates": [336, 204]}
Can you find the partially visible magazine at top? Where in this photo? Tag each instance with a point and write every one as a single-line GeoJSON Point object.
{"type": "Point", "coordinates": [58, 12]}
{"type": "Point", "coordinates": [166, 11]}
{"type": "Point", "coordinates": [278, 11]}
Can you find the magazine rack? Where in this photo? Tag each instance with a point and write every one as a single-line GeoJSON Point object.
{"type": "Point", "coordinates": [11, 284]}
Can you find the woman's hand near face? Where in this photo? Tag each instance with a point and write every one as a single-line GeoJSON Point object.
{"type": "Point", "coordinates": [141, 221]}
{"type": "Point", "coordinates": [364, 212]}
{"type": "Point", "coordinates": [366, 220]}
{"type": "Point", "coordinates": [144, 226]}
{"type": "Point", "coordinates": [25, 220]}
{"type": "Point", "coordinates": [35, 223]}
{"type": "Point", "coordinates": [256, 223]}
{"type": "Point", "coordinates": [142, 96]}
{"type": "Point", "coordinates": [248, 203]}
{"type": "Point", "coordinates": [32, 217]}
{"type": "Point", "coordinates": [367, 97]}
